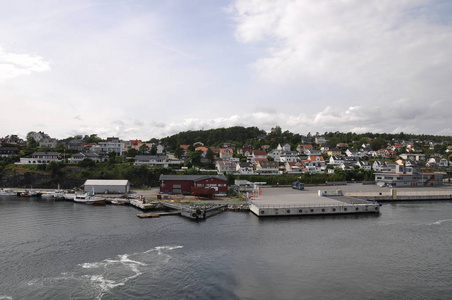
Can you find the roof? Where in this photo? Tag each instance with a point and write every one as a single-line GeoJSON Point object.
{"type": "Point", "coordinates": [202, 148]}
{"type": "Point", "coordinates": [259, 152]}
{"type": "Point", "coordinates": [106, 182]}
{"type": "Point", "coordinates": [269, 164]}
{"type": "Point", "coordinates": [191, 177]}
{"type": "Point", "coordinates": [46, 153]}
{"type": "Point", "coordinates": [226, 150]}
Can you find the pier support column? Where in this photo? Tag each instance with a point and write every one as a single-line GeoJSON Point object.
{"type": "Point", "coordinates": [394, 194]}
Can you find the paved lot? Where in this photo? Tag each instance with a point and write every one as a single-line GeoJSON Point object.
{"type": "Point", "coordinates": [309, 196]}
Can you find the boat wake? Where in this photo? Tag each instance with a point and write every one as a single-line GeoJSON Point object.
{"type": "Point", "coordinates": [94, 280]}
{"type": "Point", "coordinates": [440, 221]}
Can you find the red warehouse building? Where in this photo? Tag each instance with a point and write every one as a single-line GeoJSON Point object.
{"type": "Point", "coordinates": [182, 184]}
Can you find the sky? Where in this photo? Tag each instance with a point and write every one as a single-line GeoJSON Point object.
{"type": "Point", "coordinates": [142, 69]}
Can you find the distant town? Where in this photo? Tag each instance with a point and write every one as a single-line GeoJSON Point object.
{"type": "Point", "coordinates": [276, 157]}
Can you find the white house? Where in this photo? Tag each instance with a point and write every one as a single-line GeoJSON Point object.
{"type": "Point", "coordinates": [244, 168]}
{"type": "Point", "coordinates": [151, 160]}
{"type": "Point", "coordinates": [41, 158]}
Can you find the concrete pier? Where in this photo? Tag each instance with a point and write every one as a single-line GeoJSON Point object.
{"type": "Point", "coordinates": [287, 202]}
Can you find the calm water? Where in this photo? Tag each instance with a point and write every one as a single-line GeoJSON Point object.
{"type": "Point", "coordinates": [61, 250]}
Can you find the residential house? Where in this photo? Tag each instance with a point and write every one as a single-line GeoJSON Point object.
{"type": "Point", "coordinates": [151, 160]}
{"type": "Point", "coordinates": [413, 156]}
{"type": "Point", "coordinates": [137, 144]}
{"type": "Point", "coordinates": [8, 151]}
{"type": "Point", "coordinates": [246, 150]}
{"type": "Point", "coordinates": [342, 146]}
{"type": "Point", "coordinates": [258, 155]}
{"type": "Point", "coordinates": [112, 144]}
{"type": "Point", "coordinates": [226, 154]}
{"type": "Point", "coordinates": [321, 140]}
{"type": "Point", "coordinates": [346, 165]}
{"type": "Point", "coordinates": [41, 158]}
{"type": "Point", "coordinates": [244, 168]}
{"type": "Point", "coordinates": [384, 166]}
{"type": "Point", "coordinates": [38, 136]}
{"type": "Point", "coordinates": [73, 144]}
{"type": "Point", "coordinates": [76, 158]}
{"type": "Point", "coordinates": [363, 164]}
{"type": "Point", "coordinates": [302, 147]}
{"type": "Point", "coordinates": [48, 142]}
{"type": "Point", "coordinates": [225, 166]}
{"type": "Point", "coordinates": [267, 167]}
{"type": "Point", "coordinates": [306, 140]}
{"type": "Point", "coordinates": [434, 162]}
{"type": "Point", "coordinates": [314, 164]}
{"type": "Point", "coordinates": [336, 160]}
{"type": "Point", "coordinates": [334, 152]}
{"type": "Point", "coordinates": [312, 152]}
{"type": "Point", "coordinates": [160, 149]}
{"type": "Point", "coordinates": [294, 167]}
{"type": "Point", "coordinates": [354, 153]}
{"type": "Point", "coordinates": [203, 149]}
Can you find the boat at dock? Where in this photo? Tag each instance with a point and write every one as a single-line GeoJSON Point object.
{"type": "Point", "coordinates": [29, 193]}
{"type": "Point", "coordinates": [58, 194]}
{"type": "Point", "coordinates": [88, 199]}
{"type": "Point", "coordinates": [7, 192]}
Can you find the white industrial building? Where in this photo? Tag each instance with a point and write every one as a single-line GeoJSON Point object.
{"type": "Point", "coordinates": [107, 186]}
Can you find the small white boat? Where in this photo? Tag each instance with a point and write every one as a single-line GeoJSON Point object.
{"type": "Point", "coordinates": [88, 199]}
{"type": "Point", "coordinates": [7, 192]}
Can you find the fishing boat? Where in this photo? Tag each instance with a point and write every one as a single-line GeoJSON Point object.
{"type": "Point", "coordinates": [7, 192]}
{"type": "Point", "coordinates": [58, 194]}
{"type": "Point", "coordinates": [89, 199]}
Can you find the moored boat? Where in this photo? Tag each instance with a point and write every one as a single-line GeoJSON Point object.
{"type": "Point", "coordinates": [30, 193]}
{"type": "Point", "coordinates": [7, 192]}
{"type": "Point", "coordinates": [58, 194]}
{"type": "Point", "coordinates": [88, 199]}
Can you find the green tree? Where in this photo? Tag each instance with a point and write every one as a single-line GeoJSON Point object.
{"type": "Point", "coordinates": [377, 144]}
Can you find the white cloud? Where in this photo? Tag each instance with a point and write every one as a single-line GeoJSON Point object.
{"type": "Point", "coordinates": [352, 43]}
{"type": "Point", "coordinates": [14, 65]}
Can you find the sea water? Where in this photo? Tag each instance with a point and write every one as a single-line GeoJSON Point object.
{"type": "Point", "coordinates": [63, 250]}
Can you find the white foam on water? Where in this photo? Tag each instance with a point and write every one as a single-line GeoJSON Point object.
{"type": "Point", "coordinates": [6, 297]}
{"type": "Point", "coordinates": [98, 278]}
{"type": "Point", "coordinates": [440, 221]}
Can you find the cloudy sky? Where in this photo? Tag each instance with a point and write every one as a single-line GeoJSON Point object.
{"type": "Point", "coordinates": [152, 68]}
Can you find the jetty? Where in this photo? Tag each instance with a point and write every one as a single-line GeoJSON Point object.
{"type": "Point", "coordinates": [196, 211]}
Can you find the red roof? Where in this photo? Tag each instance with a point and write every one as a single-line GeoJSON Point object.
{"type": "Point", "coordinates": [259, 152]}
{"type": "Point", "coordinates": [261, 159]}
